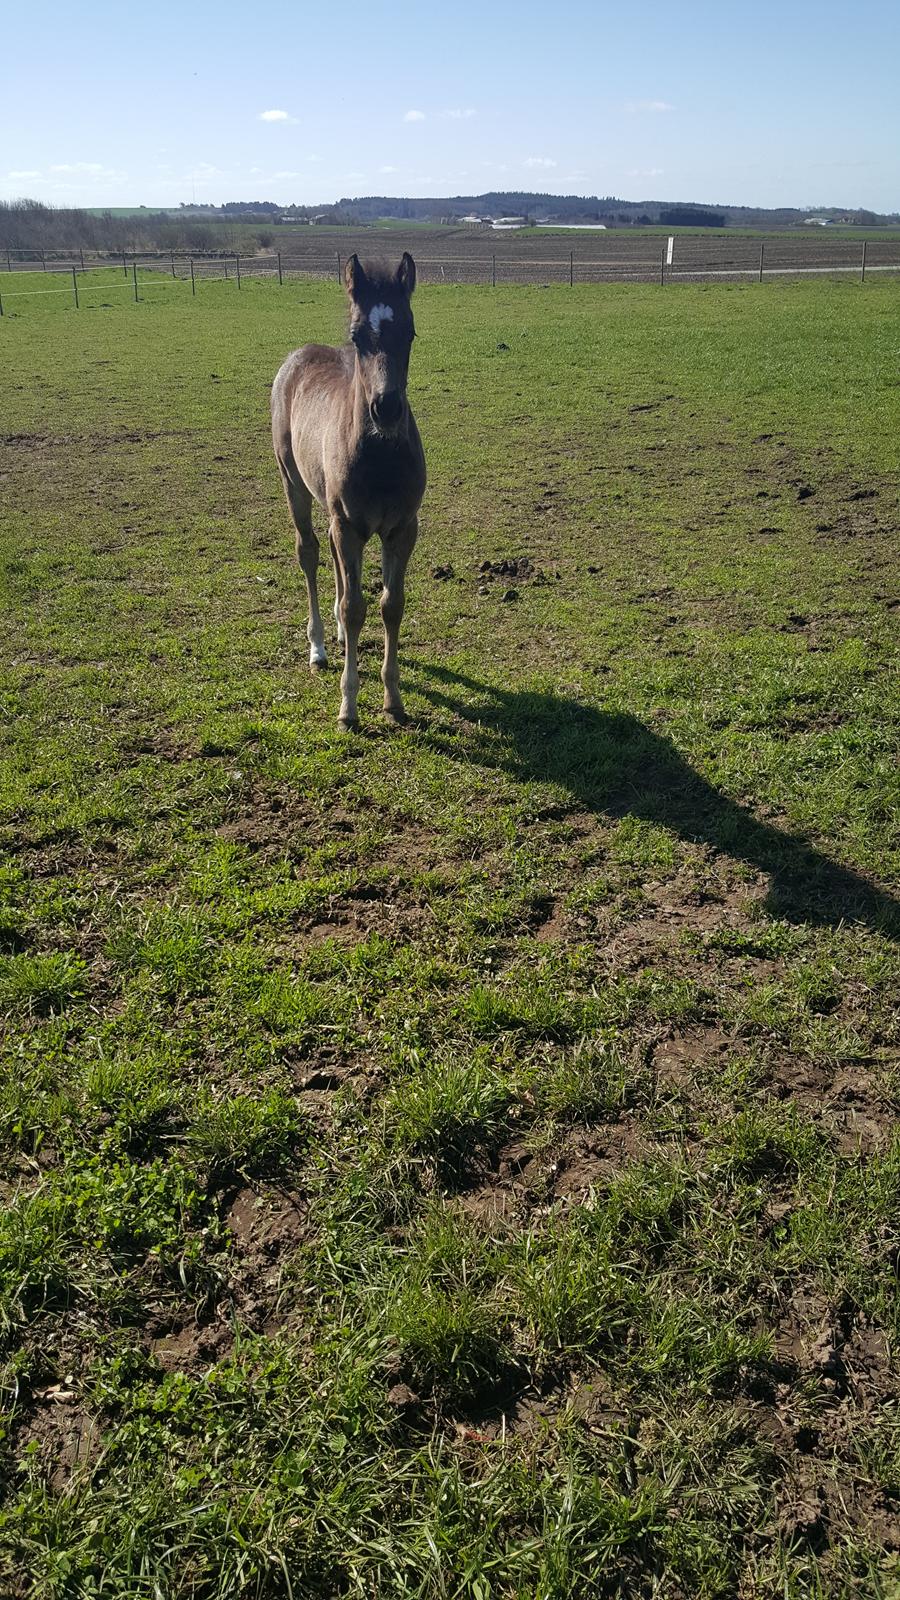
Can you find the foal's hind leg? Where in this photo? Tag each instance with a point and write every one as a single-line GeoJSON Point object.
{"type": "Point", "coordinates": [395, 553]}
{"type": "Point", "coordinates": [299, 502]}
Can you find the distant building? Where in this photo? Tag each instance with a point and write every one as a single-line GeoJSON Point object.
{"type": "Point", "coordinates": [818, 222]}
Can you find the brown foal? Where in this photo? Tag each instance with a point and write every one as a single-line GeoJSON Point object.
{"type": "Point", "coordinates": [345, 436]}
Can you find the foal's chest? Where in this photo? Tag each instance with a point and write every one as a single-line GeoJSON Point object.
{"type": "Point", "coordinates": [385, 483]}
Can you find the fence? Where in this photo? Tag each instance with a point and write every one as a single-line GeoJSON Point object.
{"type": "Point", "coordinates": [645, 259]}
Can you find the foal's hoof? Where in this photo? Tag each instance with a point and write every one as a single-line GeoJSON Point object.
{"type": "Point", "coordinates": [396, 715]}
{"type": "Point", "coordinates": [348, 724]}
{"type": "Point", "coordinates": [317, 662]}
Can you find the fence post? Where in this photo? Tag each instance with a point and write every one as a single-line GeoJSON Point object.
{"type": "Point", "coordinates": [43, 261]}
{"type": "Point", "coordinates": [339, 265]}
{"type": "Point", "coordinates": [8, 262]}
{"type": "Point", "coordinates": [193, 285]}
{"type": "Point", "coordinates": [280, 278]}
{"type": "Point", "coordinates": [862, 269]}
{"type": "Point", "coordinates": [225, 265]}
{"type": "Point", "coordinates": [124, 264]}
{"type": "Point", "coordinates": [75, 286]}
{"type": "Point", "coordinates": [1, 305]}
{"type": "Point", "coordinates": [493, 272]}
{"type": "Point", "coordinates": [237, 262]}
{"type": "Point", "coordinates": [82, 260]}
{"type": "Point", "coordinates": [662, 269]}
{"type": "Point", "coordinates": [762, 256]}
{"type": "Point", "coordinates": [173, 263]}
{"type": "Point", "coordinates": [134, 275]}
{"type": "Point", "coordinates": [571, 268]}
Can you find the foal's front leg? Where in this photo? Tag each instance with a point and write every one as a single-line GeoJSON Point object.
{"type": "Point", "coordinates": [348, 551]}
{"type": "Point", "coordinates": [396, 550]}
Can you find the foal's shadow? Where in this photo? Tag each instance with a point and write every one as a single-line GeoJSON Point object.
{"type": "Point", "coordinates": [610, 763]}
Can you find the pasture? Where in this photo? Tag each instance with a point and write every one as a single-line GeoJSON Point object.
{"type": "Point", "coordinates": [458, 1161]}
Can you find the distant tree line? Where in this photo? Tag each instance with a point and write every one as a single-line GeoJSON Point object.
{"type": "Point", "coordinates": [31, 225]}
{"type": "Point", "coordinates": [250, 224]}
{"type": "Point", "coordinates": [691, 217]}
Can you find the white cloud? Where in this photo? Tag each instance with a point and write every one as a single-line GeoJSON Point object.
{"type": "Point", "coordinates": [539, 161]}
{"type": "Point", "coordinates": [460, 113]}
{"type": "Point", "coordinates": [94, 167]}
{"type": "Point", "coordinates": [387, 169]}
{"type": "Point", "coordinates": [16, 176]}
{"type": "Point", "coordinates": [648, 105]}
{"type": "Point", "coordinates": [276, 116]}
{"type": "Point", "coordinates": [414, 116]}
{"type": "Point", "coordinates": [645, 172]}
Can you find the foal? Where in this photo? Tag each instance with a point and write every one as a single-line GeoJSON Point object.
{"type": "Point", "coordinates": [344, 434]}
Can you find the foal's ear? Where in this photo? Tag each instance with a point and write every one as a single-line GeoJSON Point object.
{"type": "Point", "coordinates": [354, 277]}
{"type": "Point", "coordinates": [406, 273]}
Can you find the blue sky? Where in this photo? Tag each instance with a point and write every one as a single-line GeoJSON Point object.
{"type": "Point", "coordinates": [789, 104]}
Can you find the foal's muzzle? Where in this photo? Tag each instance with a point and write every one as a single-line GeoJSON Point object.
{"type": "Point", "coordinates": [387, 410]}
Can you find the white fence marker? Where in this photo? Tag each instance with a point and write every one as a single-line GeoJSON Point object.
{"type": "Point", "coordinates": [670, 250]}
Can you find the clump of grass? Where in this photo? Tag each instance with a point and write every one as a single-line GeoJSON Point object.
{"type": "Point", "coordinates": [758, 1141]}
{"type": "Point", "coordinates": [42, 984]}
{"type": "Point", "coordinates": [588, 1082]}
{"type": "Point", "coordinates": [173, 950]}
{"type": "Point", "coordinates": [571, 1294]}
{"type": "Point", "coordinates": [452, 1110]}
{"type": "Point", "coordinates": [244, 1134]}
{"type": "Point", "coordinates": [137, 1090]}
{"type": "Point", "coordinates": [637, 843]}
{"type": "Point", "coordinates": [451, 1341]}
{"type": "Point", "coordinates": [538, 1010]}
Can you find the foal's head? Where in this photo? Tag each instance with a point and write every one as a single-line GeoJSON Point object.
{"type": "Point", "coordinates": [382, 331]}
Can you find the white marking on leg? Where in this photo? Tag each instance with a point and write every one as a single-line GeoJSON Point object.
{"type": "Point", "coordinates": [338, 623]}
{"type": "Point", "coordinates": [380, 314]}
{"type": "Point", "coordinates": [316, 636]}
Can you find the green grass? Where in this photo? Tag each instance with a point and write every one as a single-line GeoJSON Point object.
{"type": "Point", "coordinates": [459, 1161]}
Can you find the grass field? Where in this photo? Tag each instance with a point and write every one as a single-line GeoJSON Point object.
{"type": "Point", "coordinates": [459, 1162]}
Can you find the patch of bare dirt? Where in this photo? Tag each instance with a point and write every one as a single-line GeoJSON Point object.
{"type": "Point", "coordinates": [61, 1434]}
{"type": "Point", "coordinates": [52, 441]}
{"type": "Point", "coordinates": [163, 743]}
{"type": "Point", "coordinates": [192, 1348]}
{"type": "Point", "coordinates": [267, 1226]}
{"type": "Point", "coordinates": [512, 571]}
{"type": "Point", "coordinates": [553, 926]}
{"type": "Point", "coordinates": [678, 1058]}
{"type": "Point", "coordinates": [589, 1157]}
{"type": "Point", "coordinates": [846, 1099]}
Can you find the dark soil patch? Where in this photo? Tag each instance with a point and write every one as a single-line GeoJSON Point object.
{"type": "Point", "coordinates": [267, 1226]}
{"type": "Point", "coordinates": [678, 1059]}
{"type": "Point", "coordinates": [61, 1435]}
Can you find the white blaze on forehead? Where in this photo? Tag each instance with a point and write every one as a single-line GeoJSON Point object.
{"type": "Point", "coordinates": [380, 314]}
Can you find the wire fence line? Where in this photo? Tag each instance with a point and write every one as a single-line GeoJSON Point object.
{"type": "Point", "coordinates": [646, 260]}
